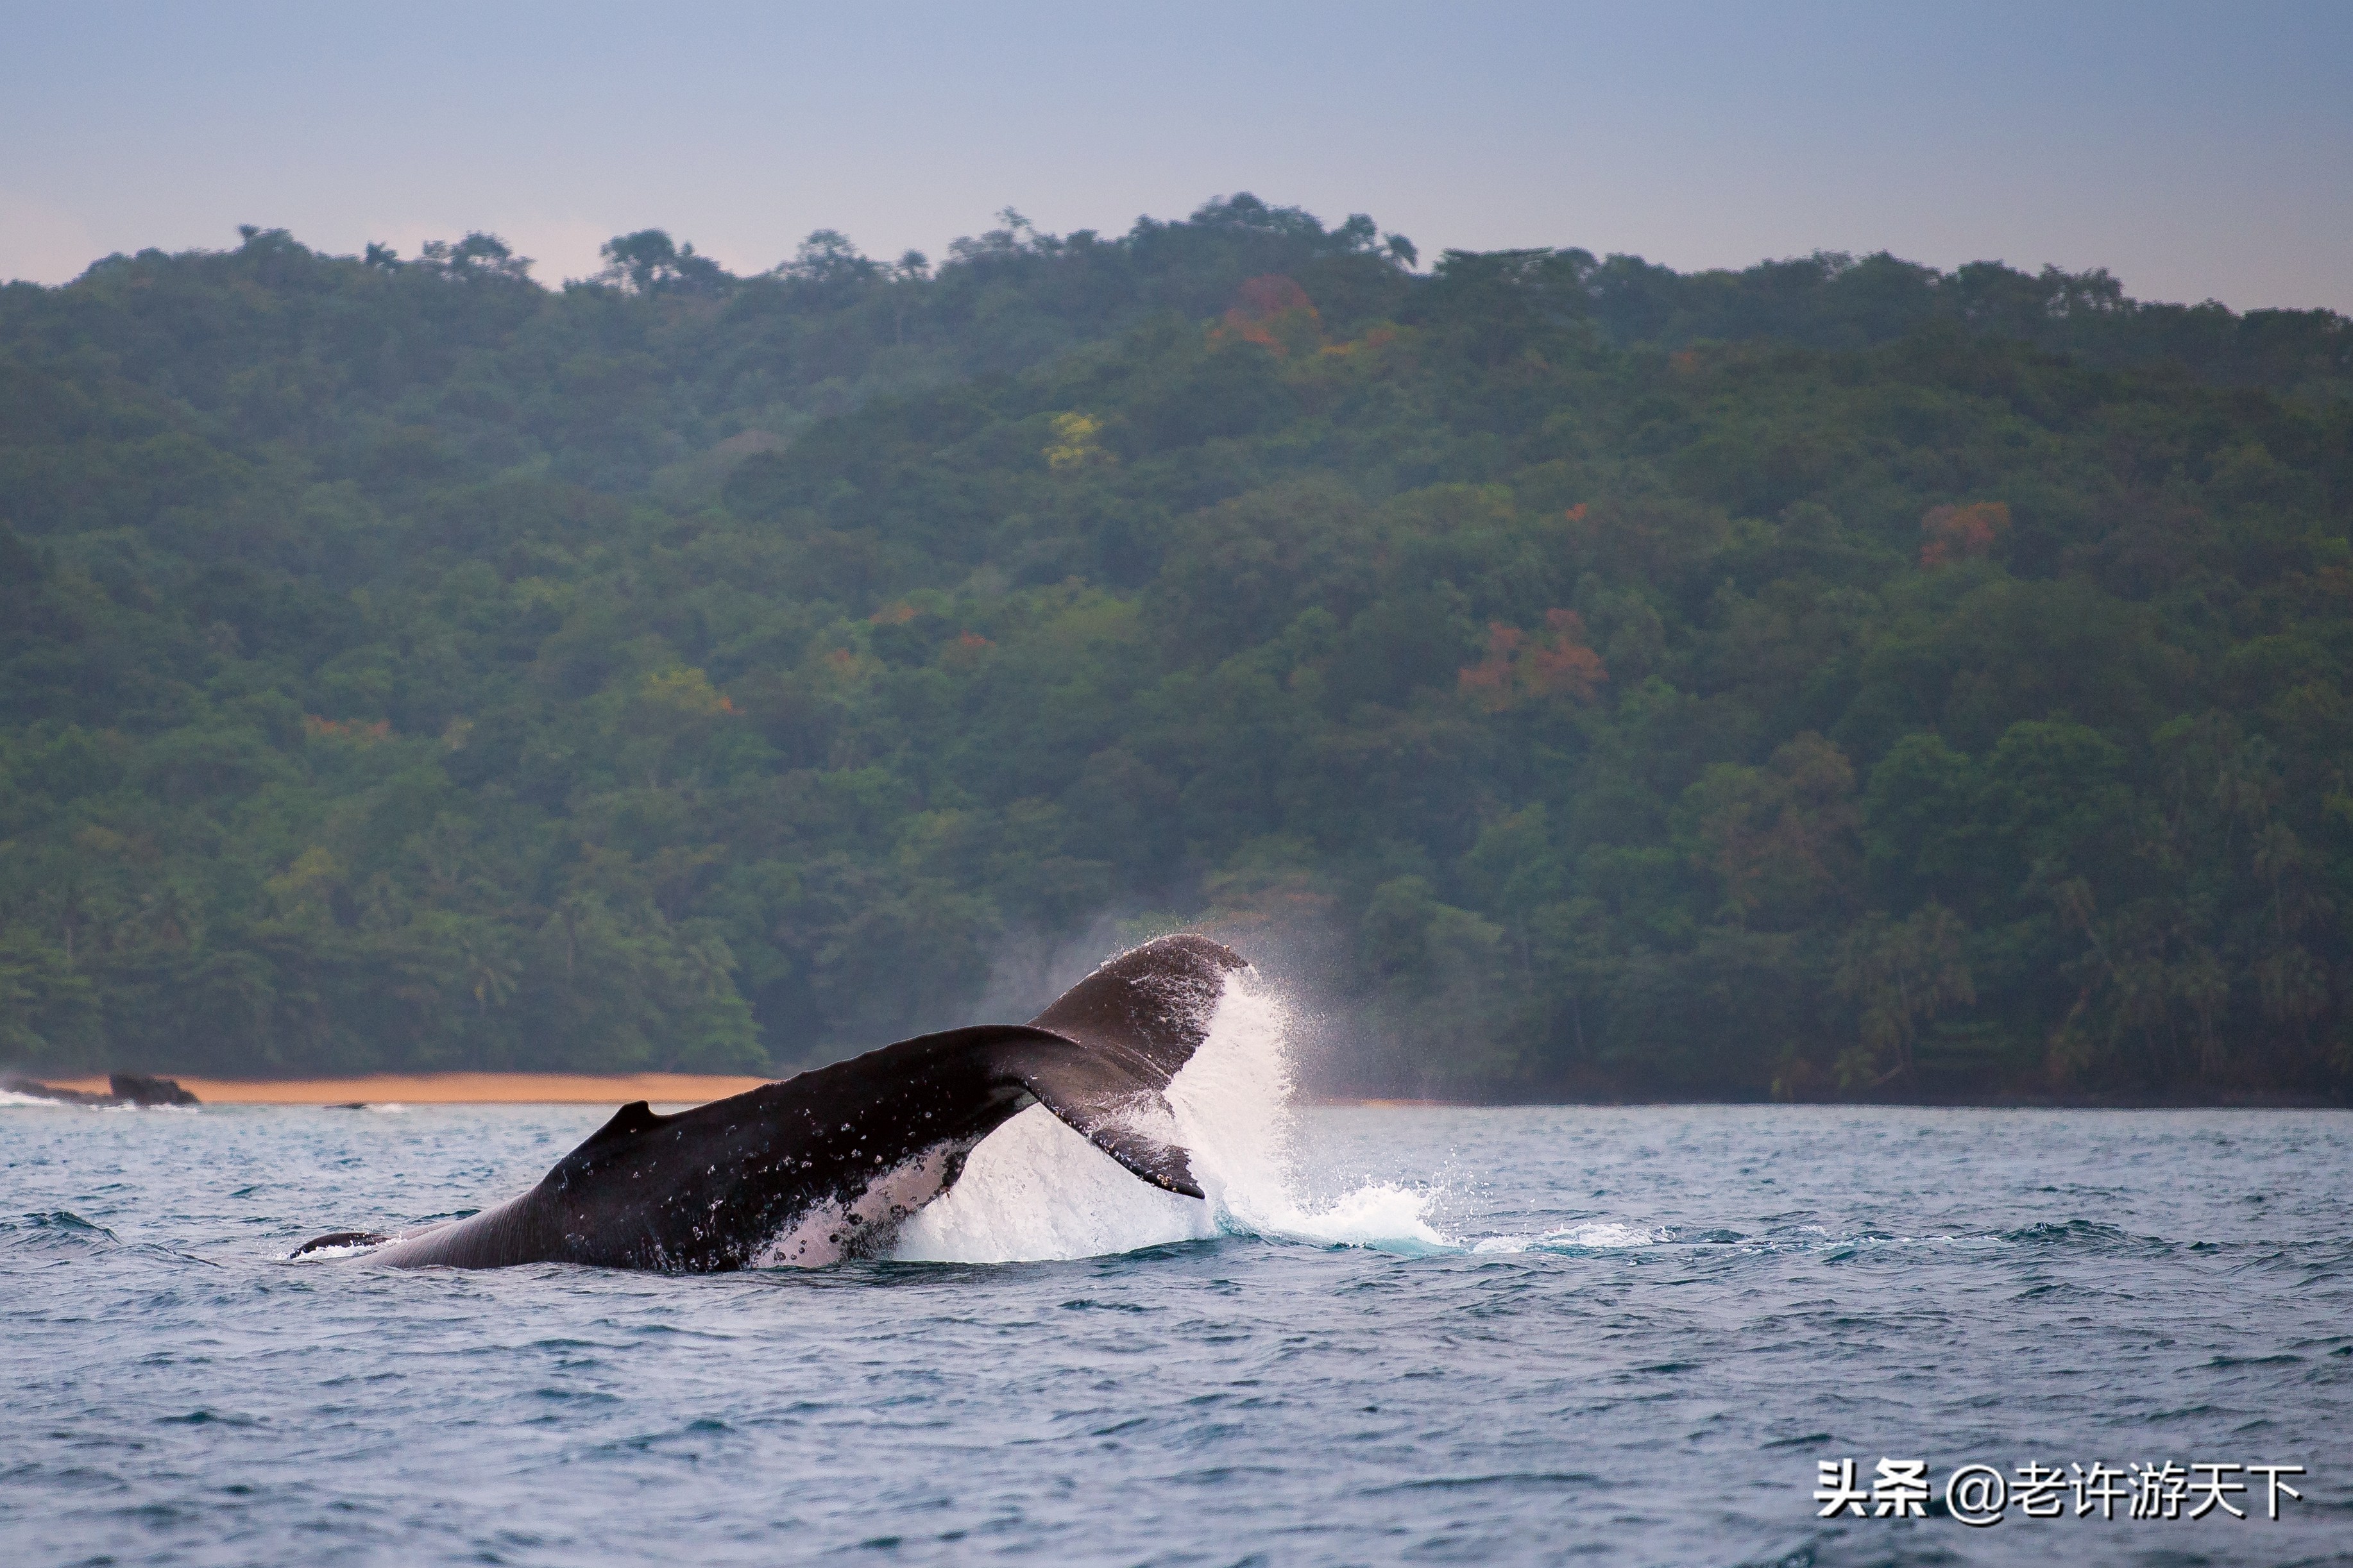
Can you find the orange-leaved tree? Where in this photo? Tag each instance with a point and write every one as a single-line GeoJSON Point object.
{"type": "Point", "coordinates": [1272, 311]}
{"type": "Point", "coordinates": [1554, 662]}
{"type": "Point", "coordinates": [1950, 533]}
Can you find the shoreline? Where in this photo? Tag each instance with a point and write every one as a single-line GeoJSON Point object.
{"type": "Point", "coordinates": [457, 1089]}
{"type": "Point", "coordinates": [697, 1088]}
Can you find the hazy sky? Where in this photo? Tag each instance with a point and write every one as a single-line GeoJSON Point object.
{"type": "Point", "coordinates": [2196, 151]}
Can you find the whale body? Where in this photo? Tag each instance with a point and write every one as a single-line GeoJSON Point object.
{"type": "Point", "coordinates": [826, 1165]}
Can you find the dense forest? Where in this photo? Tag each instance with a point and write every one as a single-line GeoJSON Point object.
{"type": "Point", "coordinates": [1834, 680]}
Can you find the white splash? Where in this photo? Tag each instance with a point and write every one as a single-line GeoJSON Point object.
{"type": "Point", "coordinates": [1034, 1189]}
{"type": "Point", "coordinates": [1594, 1236]}
{"type": "Point", "coordinates": [11, 1099]}
{"type": "Point", "coordinates": [331, 1254]}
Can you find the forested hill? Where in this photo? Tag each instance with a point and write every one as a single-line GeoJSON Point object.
{"type": "Point", "coordinates": [1834, 679]}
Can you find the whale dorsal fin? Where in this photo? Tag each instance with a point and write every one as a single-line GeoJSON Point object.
{"type": "Point", "coordinates": [631, 1119]}
{"type": "Point", "coordinates": [604, 1143]}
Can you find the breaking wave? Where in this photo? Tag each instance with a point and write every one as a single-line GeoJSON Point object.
{"type": "Point", "coordinates": [12, 1100]}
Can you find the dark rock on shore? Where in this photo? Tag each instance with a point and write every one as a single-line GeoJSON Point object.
{"type": "Point", "coordinates": [123, 1089]}
{"type": "Point", "coordinates": [133, 1088]}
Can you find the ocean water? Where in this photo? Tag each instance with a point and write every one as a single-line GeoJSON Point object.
{"type": "Point", "coordinates": [1566, 1334]}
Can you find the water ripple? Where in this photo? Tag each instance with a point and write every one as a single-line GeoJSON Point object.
{"type": "Point", "coordinates": [1615, 1336]}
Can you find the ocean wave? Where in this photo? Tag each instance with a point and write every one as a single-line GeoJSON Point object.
{"type": "Point", "coordinates": [56, 1227]}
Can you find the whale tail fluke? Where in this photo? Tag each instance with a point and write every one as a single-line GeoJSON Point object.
{"type": "Point", "coordinates": [1105, 1100]}
{"type": "Point", "coordinates": [1152, 1001]}
{"type": "Point", "coordinates": [1137, 1020]}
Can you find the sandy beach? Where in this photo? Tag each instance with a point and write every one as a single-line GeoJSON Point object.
{"type": "Point", "coordinates": [457, 1089]}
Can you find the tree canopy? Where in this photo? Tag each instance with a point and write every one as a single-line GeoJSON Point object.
{"type": "Point", "coordinates": [1833, 678]}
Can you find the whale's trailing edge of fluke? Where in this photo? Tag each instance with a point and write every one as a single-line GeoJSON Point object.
{"type": "Point", "coordinates": [825, 1165]}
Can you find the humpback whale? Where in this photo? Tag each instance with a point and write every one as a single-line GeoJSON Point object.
{"type": "Point", "coordinates": [826, 1165]}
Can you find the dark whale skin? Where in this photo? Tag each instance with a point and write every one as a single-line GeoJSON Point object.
{"type": "Point", "coordinates": [826, 1164]}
